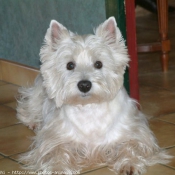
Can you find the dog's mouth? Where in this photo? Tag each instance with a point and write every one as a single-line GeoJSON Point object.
{"type": "Point", "coordinates": [84, 95]}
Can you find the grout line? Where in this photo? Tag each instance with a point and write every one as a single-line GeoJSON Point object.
{"type": "Point", "coordinates": [9, 106]}
{"type": "Point", "coordinates": [166, 121]}
{"type": "Point", "coordinates": [8, 83]}
{"type": "Point", "coordinates": [89, 171]}
{"type": "Point", "coordinates": [157, 118]}
{"type": "Point", "coordinates": [10, 125]}
{"type": "Point", "coordinates": [13, 160]}
{"type": "Point", "coordinates": [5, 104]}
{"type": "Point", "coordinates": [9, 157]}
{"type": "Point", "coordinates": [161, 115]}
{"type": "Point", "coordinates": [5, 83]}
{"type": "Point", "coordinates": [173, 146]}
{"type": "Point", "coordinates": [169, 147]}
{"type": "Point", "coordinates": [2, 155]}
{"type": "Point", "coordinates": [173, 168]}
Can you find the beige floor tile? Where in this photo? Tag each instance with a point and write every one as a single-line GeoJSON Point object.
{"type": "Point", "coordinates": [154, 170]}
{"type": "Point", "coordinates": [11, 167]}
{"type": "Point", "coordinates": [8, 166]}
{"type": "Point", "coordinates": [160, 170]}
{"type": "Point", "coordinates": [159, 80]}
{"type": "Point", "coordinates": [7, 116]}
{"type": "Point", "coordinates": [1, 157]}
{"type": "Point", "coordinates": [101, 171]}
{"type": "Point", "coordinates": [15, 139]}
{"type": "Point", "coordinates": [156, 102]}
{"type": "Point", "coordinates": [164, 132]}
{"type": "Point", "coordinates": [12, 104]}
{"type": "Point", "coordinates": [2, 83]}
{"type": "Point", "coordinates": [8, 93]}
{"type": "Point", "coordinates": [171, 151]}
{"type": "Point", "coordinates": [168, 117]}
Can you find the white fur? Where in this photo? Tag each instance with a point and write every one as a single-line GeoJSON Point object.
{"type": "Point", "coordinates": [75, 129]}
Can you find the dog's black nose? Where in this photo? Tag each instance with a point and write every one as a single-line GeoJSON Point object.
{"type": "Point", "coordinates": [84, 86]}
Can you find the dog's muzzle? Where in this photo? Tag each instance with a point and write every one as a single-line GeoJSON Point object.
{"type": "Point", "coordinates": [84, 86]}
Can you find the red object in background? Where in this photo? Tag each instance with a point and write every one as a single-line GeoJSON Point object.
{"type": "Point", "coordinates": [132, 48]}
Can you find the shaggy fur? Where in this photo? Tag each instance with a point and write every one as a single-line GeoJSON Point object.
{"type": "Point", "coordinates": [76, 128]}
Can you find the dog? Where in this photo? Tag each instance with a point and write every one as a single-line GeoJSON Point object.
{"type": "Point", "coordinates": [80, 110]}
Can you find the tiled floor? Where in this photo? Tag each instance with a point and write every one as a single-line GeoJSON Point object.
{"type": "Point", "coordinates": [157, 92]}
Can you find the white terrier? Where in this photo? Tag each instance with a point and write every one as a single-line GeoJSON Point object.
{"type": "Point", "coordinates": [79, 109]}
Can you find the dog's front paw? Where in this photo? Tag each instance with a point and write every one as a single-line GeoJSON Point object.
{"type": "Point", "coordinates": [129, 170]}
{"type": "Point", "coordinates": [32, 126]}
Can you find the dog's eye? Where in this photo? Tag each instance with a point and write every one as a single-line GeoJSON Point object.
{"type": "Point", "coordinates": [98, 64]}
{"type": "Point", "coordinates": [70, 66]}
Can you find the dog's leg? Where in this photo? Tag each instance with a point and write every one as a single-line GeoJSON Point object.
{"type": "Point", "coordinates": [128, 162]}
{"type": "Point", "coordinates": [30, 104]}
{"type": "Point", "coordinates": [58, 160]}
{"type": "Point", "coordinates": [132, 157]}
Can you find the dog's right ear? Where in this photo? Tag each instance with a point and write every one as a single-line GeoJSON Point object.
{"type": "Point", "coordinates": [110, 32]}
{"type": "Point", "coordinates": [57, 31]}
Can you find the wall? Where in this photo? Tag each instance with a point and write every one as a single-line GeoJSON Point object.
{"type": "Point", "coordinates": [23, 24]}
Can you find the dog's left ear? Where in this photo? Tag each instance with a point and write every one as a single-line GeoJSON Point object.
{"type": "Point", "coordinates": [57, 31]}
{"type": "Point", "coordinates": [110, 32]}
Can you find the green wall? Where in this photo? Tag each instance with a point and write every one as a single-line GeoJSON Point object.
{"type": "Point", "coordinates": [23, 24]}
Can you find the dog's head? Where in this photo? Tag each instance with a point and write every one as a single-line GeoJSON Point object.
{"type": "Point", "coordinates": [83, 69]}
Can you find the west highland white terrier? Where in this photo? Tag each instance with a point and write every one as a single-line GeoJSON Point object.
{"type": "Point", "coordinates": [79, 109]}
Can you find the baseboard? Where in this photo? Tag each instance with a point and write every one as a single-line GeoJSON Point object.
{"type": "Point", "coordinates": [16, 73]}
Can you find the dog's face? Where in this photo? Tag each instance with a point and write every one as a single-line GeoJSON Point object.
{"type": "Point", "coordinates": [83, 69]}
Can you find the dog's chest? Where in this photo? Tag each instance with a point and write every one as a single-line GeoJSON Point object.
{"type": "Point", "coordinates": [90, 120]}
